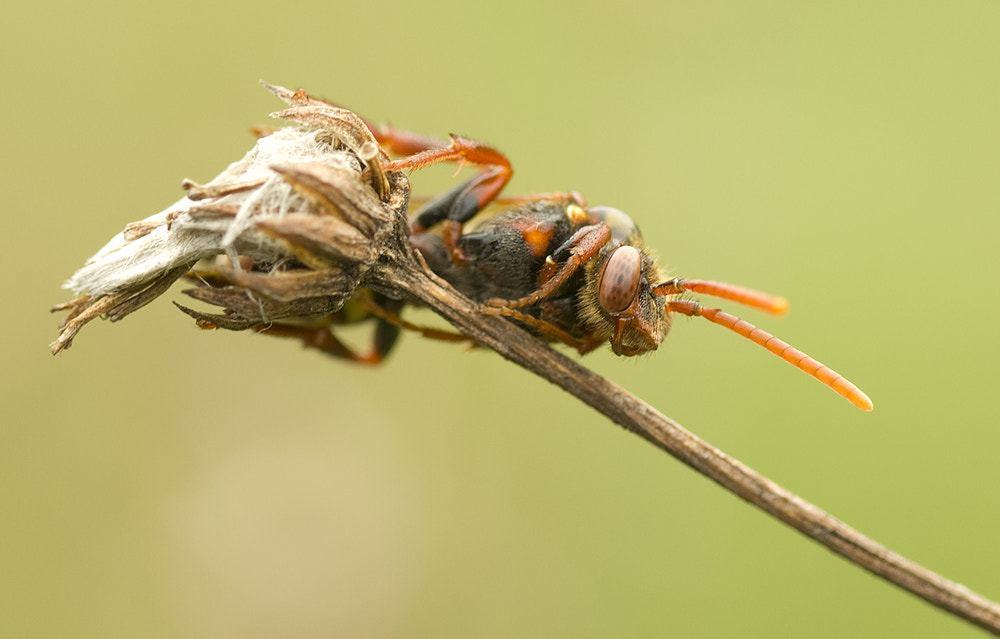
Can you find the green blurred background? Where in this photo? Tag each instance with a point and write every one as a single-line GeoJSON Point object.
{"type": "Point", "coordinates": [160, 481]}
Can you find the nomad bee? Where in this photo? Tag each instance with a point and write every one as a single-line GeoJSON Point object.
{"type": "Point", "coordinates": [568, 272]}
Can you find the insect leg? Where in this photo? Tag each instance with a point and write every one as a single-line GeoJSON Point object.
{"type": "Point", "coordinates": [397, 142]}
{"type": "Point", "coordinates": [425, 150]}
{"type": "Point", "coordinates": [581, 248]}
{"type": "Point", "coordinates": [318, 333]}
{"type": "Point", "coordinates": [388, 313]}
{"type": "Point", "coordinates": [320, 337]}
{"type": "Point", "coordinates": [403, 143]}
{"type": "Point", "coordinates": [388, 324]}
{"type": "Point", "coordinates": [549, 330]}
{"type": "Point", "coordinates": [463, 202]}
{"type": "Point", "coordinates": [785, 351]}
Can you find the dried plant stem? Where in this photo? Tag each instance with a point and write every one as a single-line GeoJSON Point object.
{"type": "Point", "coordinates": [638, 417]}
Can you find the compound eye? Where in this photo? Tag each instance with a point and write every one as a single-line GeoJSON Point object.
{"type": "Point", "coordinates": [620, 279]}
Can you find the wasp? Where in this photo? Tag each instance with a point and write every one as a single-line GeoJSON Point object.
{"type": "Point", "coordinates": [568, 272]}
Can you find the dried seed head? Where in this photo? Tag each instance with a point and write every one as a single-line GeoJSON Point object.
{"type": "Point", "coordinates": [302, 217]}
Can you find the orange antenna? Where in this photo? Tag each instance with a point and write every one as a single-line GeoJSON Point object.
{"type": "Point", "coordinates": [755, 299]}
{"type": "Point", "coordinates": [785, 351]}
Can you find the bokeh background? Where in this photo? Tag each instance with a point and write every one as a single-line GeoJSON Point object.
{"type": "Point", "coordinates": [160, 481]}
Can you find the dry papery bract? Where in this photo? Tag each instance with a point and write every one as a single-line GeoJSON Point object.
{"type": "Point", "coordinates": [291, 229]}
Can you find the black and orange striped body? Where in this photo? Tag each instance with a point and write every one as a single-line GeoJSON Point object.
{"type": "Point", "coordinates": [510, 255]}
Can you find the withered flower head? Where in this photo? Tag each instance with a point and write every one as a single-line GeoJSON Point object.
{"type": "Point", "coordinates": [289, 231]}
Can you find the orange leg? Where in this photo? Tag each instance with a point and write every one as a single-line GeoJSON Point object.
{"type": "Point", "coordinates": [396, 141]}
{"type": "Point", "coordinates": [403, 143]}
{"type": "Point", "coordinates": [582, 247]}
{"type": "Point", "coordinates": [462, 203]}
{"type": "Point", "coordinates": [551, 331]}
{"type": "Point", "coordinates": [323, 339]}
{"type": "Point", "coordinates": [394, 319]}
{"type": "Point", "coordinates": [319, 335]}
